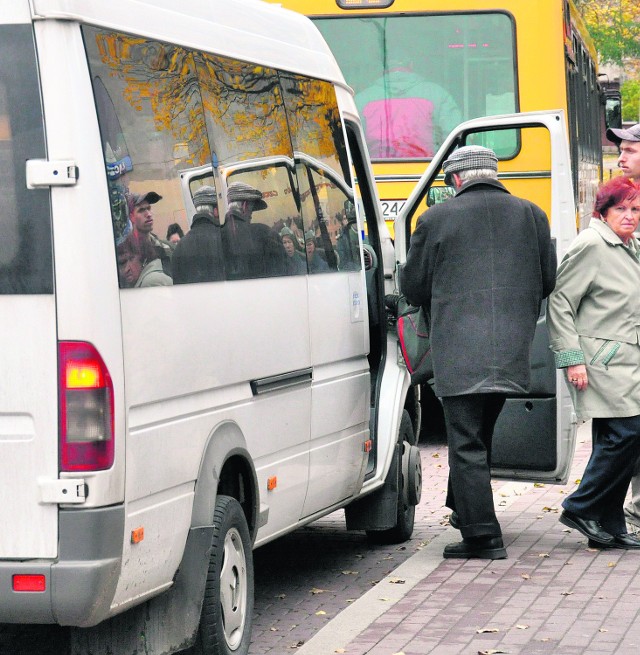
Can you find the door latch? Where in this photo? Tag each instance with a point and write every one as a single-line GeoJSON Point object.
{"type": "Point", "coordinates": [42, 172]}
{"type": "Point", "coordinates": [72, 491]}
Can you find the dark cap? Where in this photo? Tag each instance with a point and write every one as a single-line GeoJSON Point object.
{"type": "Point", "coordinates": [239, 191]}
{"type": "Point", "coordinates": [205, 195]}
{"type": "Point", "coordinates": [632, 134]}
{"type": "Point", "coordinates": [135, 199]}
{"type": "Point", "coordinates": [469, 158]}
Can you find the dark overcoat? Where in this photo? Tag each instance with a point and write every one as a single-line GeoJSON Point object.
{"type": "Point", "coordinates": [198, 256]}
{"type": "Point", "coordinates": [481, 263]}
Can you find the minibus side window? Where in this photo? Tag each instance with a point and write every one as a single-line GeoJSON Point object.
{"type": "Point", "coordinates": [252, 152]}
{"type": "Point", "coordinates": [152, 125]}
{"type": "Point", "coordinates": [326, 195]}
{"type": "Point", "coordinates": [26, 265]}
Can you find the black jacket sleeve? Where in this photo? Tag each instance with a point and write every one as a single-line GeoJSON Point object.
{"type": "Point", "coordinates": [417, 274]}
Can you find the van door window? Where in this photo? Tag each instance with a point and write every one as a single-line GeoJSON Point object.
{"type": "Point", "coordinates": [25, 214]}
{"type": "Point", "coordinates": [322, 164]}
{"type": "Point", "coordinates": [152, 125]}
{"type": "Point", "coordinates": [252, 156]}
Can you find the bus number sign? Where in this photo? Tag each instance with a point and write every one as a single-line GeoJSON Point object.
{"type": "Point", "coordinates": [391, 209]}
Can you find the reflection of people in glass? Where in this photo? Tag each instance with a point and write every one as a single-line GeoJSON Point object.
{"type": "Point", "coordinates": [315, 261]}
{"type": "Point", "coordinates": [139, 265]}
{"type": "Point", "coordinates": [295, 264]}
{"type": "Point", "coordinates": [141, 216]}
{"type": "Point", "coordinates": [174, 234]}
{"type": "Point", "coordinates": [251, 249]}
{"type": "Point", "coordinates": [404, 114]}
{"type": "Point", "coordinates": [198, 256]}
{"type": "Point", "coordinates": [348, 245]}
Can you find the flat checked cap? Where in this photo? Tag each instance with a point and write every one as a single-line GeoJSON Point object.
{"type": "Point", "coordinates": [469, 158]}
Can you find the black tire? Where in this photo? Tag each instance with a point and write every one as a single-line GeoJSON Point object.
{"type": "Point", "coordinates": [225, 622]}
{"type": "Point", "coordinates": [405, 517]}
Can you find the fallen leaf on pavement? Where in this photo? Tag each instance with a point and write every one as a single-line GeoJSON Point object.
{"type": "Point", "coordinates": [603, 630]}
{"type": "Point", "coordinates": [297, 644]}
{"type": "Point", "coordinates": [317, 591]}
{"type": "Point", "coordinates": [538, 485]}
{"type": "Point", "coordinates": [543, 555]}
{"type": "Point", "coordinates": [491, 651]}
{"type": "Point", "coordinates": [525, 576]}
{"type": "Point", "coordinates": [349, 573]}
{"type": "Point", "coordinates": [611, 564]}
{"type": "Point", "coordinates": [566, 593]}
{"type": "Point", "coordinates": [482, 630]}
{"type": "Point", "coordinates": [320, 613]}
{"type": "Point", "coordinates": [522, 627]}
{"type": "Point", "coordinates": [396, 581]}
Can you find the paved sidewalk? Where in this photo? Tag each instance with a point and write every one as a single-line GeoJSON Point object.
{"type": "Point", "coordinates": [552, 595]}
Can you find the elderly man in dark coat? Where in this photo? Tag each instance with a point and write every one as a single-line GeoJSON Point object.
{"type": "Point", "coordinates": [480, 263]}
{"type": "Point", "coordinates": [198, 256]}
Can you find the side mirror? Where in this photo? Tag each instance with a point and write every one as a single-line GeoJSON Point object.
{"type": "Point", "coordinates": [438, 194]}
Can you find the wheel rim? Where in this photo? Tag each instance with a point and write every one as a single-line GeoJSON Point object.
{"type": "Point", "coordinates": [233, 589]}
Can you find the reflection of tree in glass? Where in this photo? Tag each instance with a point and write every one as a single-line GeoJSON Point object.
{"type": "Point", "coordinates": [164, 76]}
{"type": "Point", "coordinates": [244, 101]}
{"type": "Point", "coordinates": [315, 120]}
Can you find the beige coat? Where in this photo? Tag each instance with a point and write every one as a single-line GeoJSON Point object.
{"type": "Point", "coordinates": [594, 319]}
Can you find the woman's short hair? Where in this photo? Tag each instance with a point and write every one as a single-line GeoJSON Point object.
{"type": "Point", "coordinates": [137, 247]}
{"type": "Point", "coordinates": [174, 228]}
{"type": "Point", "coordinates": [613, 192]}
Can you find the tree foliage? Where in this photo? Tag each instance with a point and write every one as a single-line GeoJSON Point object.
{"type": "Point", "coordinates": [631, 100]}
{"type": "Point", "coordinates": [615, 28]}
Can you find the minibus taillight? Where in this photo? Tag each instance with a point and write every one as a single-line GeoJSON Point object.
{"type": "Point", "coordinates": [86, 408]}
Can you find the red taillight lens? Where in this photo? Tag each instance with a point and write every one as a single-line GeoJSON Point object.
{"type": "Point", "coordinates": [86, 408]}
{"type": "Point", "coordinates": [27, 582]}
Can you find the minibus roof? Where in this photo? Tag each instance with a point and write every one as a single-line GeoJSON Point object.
{"type": "Point", "coordinates": [249, 30]}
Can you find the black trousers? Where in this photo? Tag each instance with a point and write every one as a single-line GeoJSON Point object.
{"type": "Point", "coordinates": [470, 420]}
{"type": "Point", "coordinates": [605, 481]}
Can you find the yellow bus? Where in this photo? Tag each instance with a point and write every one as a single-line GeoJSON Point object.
{"type": "Point", "coordinates": [420, 67]}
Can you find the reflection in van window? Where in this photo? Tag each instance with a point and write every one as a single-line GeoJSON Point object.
{"type": "Point", "coordinates": [25, 216]}
{"type": "Point", "coordinates": [152, 127]}
{"type": "Point", "coordinates": [266, 148]}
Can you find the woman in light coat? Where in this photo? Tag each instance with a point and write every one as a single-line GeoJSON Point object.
{"type": "Point", "coordinates": [594, 324]}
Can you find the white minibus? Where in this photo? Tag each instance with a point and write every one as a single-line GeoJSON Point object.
{"type": "Point", "coordinates": [153, 430]}
{"type": "Point", "coordinates": [167, 408]}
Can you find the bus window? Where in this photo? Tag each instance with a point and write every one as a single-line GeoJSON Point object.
{"type": "Point", "coordinates": [410, 98]}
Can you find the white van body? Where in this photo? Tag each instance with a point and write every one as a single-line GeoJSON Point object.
{"type": "Point", "coordinates": [151, 437]}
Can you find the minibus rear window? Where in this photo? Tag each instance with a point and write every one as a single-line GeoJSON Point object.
{"type": "Point", "coordinates": [25, 217]}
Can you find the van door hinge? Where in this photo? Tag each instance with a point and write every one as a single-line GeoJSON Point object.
{"type": "Point", "coordinates": [72, 491]}
{"type": "Point", "coordinates": [42, 172]}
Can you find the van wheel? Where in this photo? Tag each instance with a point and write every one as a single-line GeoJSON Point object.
{"type": "Point", "coordinates": [227, 609]}
{"type": "Point", "coordinates": [409, 489]}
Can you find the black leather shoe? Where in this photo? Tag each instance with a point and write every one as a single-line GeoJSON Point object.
{"type": "Point", "coordinates": [453, 520]}
{"type": "Point", "coordinates": [588, 527]}
{"type": "Point", "coordinates": [476, 548]}
{"type": "Point", "coordinates": [625, 541]}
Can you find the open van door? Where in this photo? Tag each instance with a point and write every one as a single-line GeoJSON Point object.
{"type": "Point", "coordinates": [534, 438]}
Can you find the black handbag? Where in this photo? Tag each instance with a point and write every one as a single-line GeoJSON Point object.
{"type": "Point", "coordinates": [412, 327]}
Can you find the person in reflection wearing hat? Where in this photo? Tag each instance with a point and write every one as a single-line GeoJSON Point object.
{"type": "Point", "coordinates": [315, 261]}
{"type": "Point", "coordinates": [295, 263]}
{"type": "Point", "coordinates": [480, 264]}
{"type": "Point", "coordinates": [628, 142]}
{"type": "Point", "coordinates": [198, 256]}
{"type": "Point", "coordinates": [251, 249]}
{"type": "Point", "coordinates": [141, 217]}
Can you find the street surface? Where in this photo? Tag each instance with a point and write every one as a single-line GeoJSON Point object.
{"type": "Point", "coordinates": [323, 590]}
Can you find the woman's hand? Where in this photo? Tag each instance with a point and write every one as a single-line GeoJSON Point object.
{"type": "Point", "coordinates": [577, 376]}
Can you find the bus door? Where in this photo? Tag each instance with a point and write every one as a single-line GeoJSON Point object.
{"type": "Point", "coordinates": [535, 435]}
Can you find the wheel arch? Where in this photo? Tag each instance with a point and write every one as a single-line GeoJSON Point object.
{"type": "Point", "coordinates": [226, 468]}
